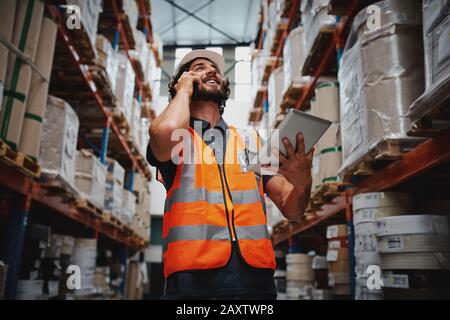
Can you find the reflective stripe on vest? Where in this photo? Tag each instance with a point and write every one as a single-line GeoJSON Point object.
{"type": "Point", "coordinates": [218, 233]}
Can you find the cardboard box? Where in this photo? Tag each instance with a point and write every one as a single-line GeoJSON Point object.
{"type": "Point", "coordinates": [125, 81]}
{"type": "Point", "coordinates": [336, 231]}
{"type": "Point", "coordinates": [115, 171]}
{"type": "Point", "coordinates": [129, 206]}
{"type": "Point", "coordinates": [37, 98]}
{"type": "Point", "coordinates": [341, 266]}
{"type": "Point", "coordinates": [135, 120]}
{"type": "Point", "coordinates": [275, 93]}
{"type": "Point", "coordinates": [337, 254]}
{"type": "Point", "coordinates": [114, 197]}
{"type": "Point", "coordinates": [90, 177]}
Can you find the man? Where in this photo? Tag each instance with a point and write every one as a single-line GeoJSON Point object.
{"type": "Point", "coordinates": [216, 243]}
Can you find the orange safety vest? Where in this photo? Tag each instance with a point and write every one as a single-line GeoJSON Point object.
{"type": "Point", "coordinates": [209, 205]}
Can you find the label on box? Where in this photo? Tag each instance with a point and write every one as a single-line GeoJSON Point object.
{"type": "Point", "coordinates": [395, 242]}
{"type": "Point", "coordinates": [396, 281]}
{"type": "Point", "coordinates": [334, 244]}
{"type": "Point", "coordinates": [332, 232]}
{"type": "Point", "coordinates": [364, 215]}
{"type": "Point", "coordinates": [319, 262]}
{"type": "Point", "coordinates": [332, 255]}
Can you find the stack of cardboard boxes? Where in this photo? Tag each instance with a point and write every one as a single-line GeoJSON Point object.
{"type": "Point", "coordinates": [114, 188]}
{"type": "Point", "coordinates": [90, 177]}
{"type": "Point", "coordinates": [141, 220]}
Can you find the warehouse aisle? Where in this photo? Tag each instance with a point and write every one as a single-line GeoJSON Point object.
{"type": "Point", "coordinates": [85, 212]}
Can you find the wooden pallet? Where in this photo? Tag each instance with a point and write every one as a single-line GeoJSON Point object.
{"type": "Point", "coordinates": [292, 95]}
{"type": "Point", "coordinates": [121, 121]}
{"type": "Point", "coordinates": [19, 160]}
{"type": "Point", "coordinates": [259, 98]}
{"type": "Point", "coordinates": [86, 205]}
{"type": "Point", "coordinates": [281, 27]}
{"type": "Point", "coordinates": [256, 115]}
{"type": "Point", "coordinates": [379, 156]}
{"type": "Point", "coordinates": [56, 186]}
{"type": "Point", "coordinates": [430, 113]}
{"type": "Point", "coordinates": [103, 85]}
{"type": "Point", "coordinates": [110, 219]}
{"type": "Point", "coordinates": [325, 194]}
{"type": "Point", "coordinates": [271, 64]}
{"type": "Point", "coordinates": [316, 53]}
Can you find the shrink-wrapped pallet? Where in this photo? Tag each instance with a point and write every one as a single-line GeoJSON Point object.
{"type": "Point", "coordinates": [59, 141]}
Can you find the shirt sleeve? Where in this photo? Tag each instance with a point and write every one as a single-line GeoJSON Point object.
{"type": "Point", "coordinates": [167, 168]}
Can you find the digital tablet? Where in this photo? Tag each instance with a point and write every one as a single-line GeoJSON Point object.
{"type": "Point", "coordinates": [295, 122]}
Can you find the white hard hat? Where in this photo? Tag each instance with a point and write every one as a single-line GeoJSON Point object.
{"type": "Point", "coordinates": [212, 56]}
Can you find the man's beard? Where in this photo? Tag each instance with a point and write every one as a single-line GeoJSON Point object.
{"type": "Point", "coordinates": [216, 95]}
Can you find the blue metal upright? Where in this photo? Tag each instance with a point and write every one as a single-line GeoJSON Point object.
{"type": "Point", "coordinates": [14, 241]}
{"type": "Point", "coordinates": [351, 241]}
{"type": "Point", "coordinates": [123, 257]}
{"type": "Point", "coordinates": [105, 140]}
{"type": "Point", "coordinates": [116, 39]}
{"type": "Point", "coordinates": [131, 181]}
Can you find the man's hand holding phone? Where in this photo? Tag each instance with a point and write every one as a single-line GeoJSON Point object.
{"type": "Point", "coordinates": [187, 82]}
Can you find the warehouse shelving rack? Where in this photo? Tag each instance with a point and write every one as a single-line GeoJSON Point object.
{"type": "Point", "coordinates": [25, 190]}
{"type": "Point", "coordinates": [429, 154]}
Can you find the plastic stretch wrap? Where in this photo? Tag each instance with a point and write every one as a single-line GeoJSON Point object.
{"type": "Point", "coordinates": [437, 55]}
{"type": "Point", "coordinates": [259, 62]}
{"type": "Point", "coordinates": [275, 93]}
{"type": "Point", "coordinates": [59, 140]}
{"type": "Point", "coordinates": [144, 136]}
{"type": "Point", "coordinates": [294, 56]}
{"type": "Point", "coordinates": [380, 76]}
{"type": "Point", "coordinates": [327, 95]}
{"type": "Point", "coordinates": [141, 53]}
{"type": "Point", "coordinates": [125, 82]}
{"type": "Point", "coordinates": [433, 13]}
{"type": "Point", "coordinates": [90, 13]}
{"type": "Point", "coordinates": [115, 171]}
{"type": "Point", "coordinates": [315, 18]}
{"type": "Point", "coordinates": [107, 58]}
{"type": "Point", "coordinates": [135, 120]}
{"type": "Point", "coordinates": [129, 206]}
{"type": "Point", "coordinates": [113, 197]}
